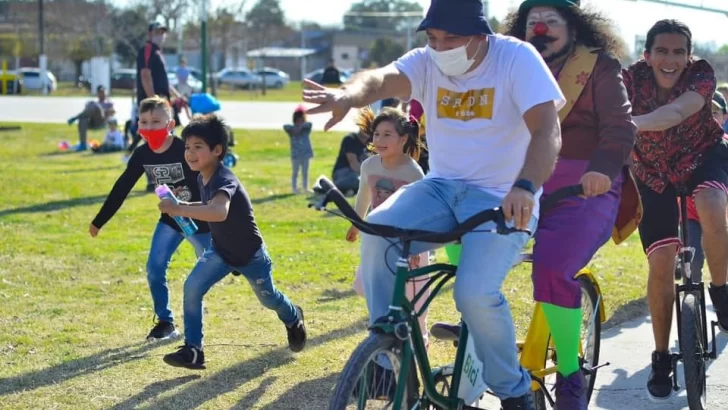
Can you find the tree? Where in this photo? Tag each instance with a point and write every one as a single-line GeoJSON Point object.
{"type": "Point", "coordinates": [383, 51]}
{"type": "Point", "coordinates": [494, 24]}
{"type": "Point", "coordinates": [723, 49]}
{"type": "Point", "coordinates": [266, 14]}
{"type": "Point", "coordinates": [364, 22]}
{"type": "Point", "coordinates": [129, 32]}
{"type": "Point", "coordinates": [171, 11]}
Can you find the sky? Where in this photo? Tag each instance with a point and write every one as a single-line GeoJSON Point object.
{"type": "Point", "coordinates": [706, 27]}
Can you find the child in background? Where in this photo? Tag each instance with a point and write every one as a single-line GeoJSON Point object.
{"type": "Point", "coordinates": [397, 145]}
{"type": "Point", "coordinates": [301, 150]}
{"type": "Point", "coordinates": [162, 158]}
{"type": "Point", "coordinates": [237, 244]}
{"type": "Point", "coordinates": [114, 140]}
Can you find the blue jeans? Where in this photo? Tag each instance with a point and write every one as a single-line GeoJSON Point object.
{"type": "Point", "coordinates": [302, 164]}
{"type": "Point", "coordinates": [439, 205]}
{"type": "Point", "coordinates": [165, 241]}
{"type": "Point", "coordinates": [211, 269]}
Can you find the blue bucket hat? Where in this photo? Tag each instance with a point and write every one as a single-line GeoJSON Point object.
{"type": "Point", "coordinates": [459, 17]}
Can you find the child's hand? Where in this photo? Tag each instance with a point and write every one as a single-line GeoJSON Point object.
{"type": "Point", "coordinates": [168, 207]}
{"type": "Point", "coordinates": [93, 230]}
{"type": "Point", "coordinates": [352, 234]}
{"type": "Point", "coordinates": [414, 261]}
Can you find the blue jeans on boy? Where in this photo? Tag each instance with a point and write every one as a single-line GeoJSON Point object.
{"type": "Point", "coordinates": [439, 205]}
{"type": "Point", "coordinates": [211, 268]}
{"type": "Point", "coordinates": [165, 241]}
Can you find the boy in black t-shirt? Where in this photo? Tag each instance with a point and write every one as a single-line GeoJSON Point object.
{"type": "Point", "coordinates": [237, 245]}
{"type": "Point", "coordinates": [162, 158]}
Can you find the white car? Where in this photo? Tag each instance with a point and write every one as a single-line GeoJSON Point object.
{"type": "Point", "coordinates": [238, 78]}
{"type": "Point", "coordinates": [33, 81]}
{"type": "Point", "coordinates": [273, 77]}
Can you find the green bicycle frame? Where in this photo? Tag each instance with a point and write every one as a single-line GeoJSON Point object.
{"type": "Point", "coordinates": [401, 321]}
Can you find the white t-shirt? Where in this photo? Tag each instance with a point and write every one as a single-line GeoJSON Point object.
{"type": "Point", "coordinates": [475, 127]}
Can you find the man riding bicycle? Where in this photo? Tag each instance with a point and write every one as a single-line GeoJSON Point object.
{"type": "Point", "coordinates": [679, 149]}
{"type": "Point", "coordinates": [491, 106]}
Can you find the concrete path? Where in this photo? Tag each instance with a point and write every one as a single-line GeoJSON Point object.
{"type": "Point", "coordinates": [239, 114]}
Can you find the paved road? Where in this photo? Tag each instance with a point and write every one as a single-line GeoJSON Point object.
{"type": "Point", "coordinates": [250, 115]}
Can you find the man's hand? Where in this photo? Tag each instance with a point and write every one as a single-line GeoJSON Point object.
{"type": "Point", "coordinates": [518, 207]}
{"type": "Point", "coordinates": [168, 207]}
{"type": "Point", "coordinates": [93, 230]}
{"type": "Point", "coordinates": [595, 183]}
{"type": "Point", "coordinates": [352, 234]}
{"type": "Point", "coordinates": [332, 100]}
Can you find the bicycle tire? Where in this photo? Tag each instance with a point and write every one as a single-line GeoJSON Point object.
{"type": "Point", "coordinates": [356, 365]}
{"type": "Point", "coordinates": [691, 331]}
{"type": "Point", "coordinates": [589, 289]}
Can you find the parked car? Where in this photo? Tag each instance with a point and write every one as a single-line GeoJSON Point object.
{"type": "Point", "coordinates": [192, 81]}
{"type": "Point", "coordinates": [123, 79]}
{"type": "Point", "coordinates": [273, 77]}
{"type": "Point", "coordinates": [238, 78]}
{"type": "Point", "coordinates": [317, 75]}
{"type": "Point", "coordinates": [33, 81]}
{"type": "Point", "coordinates": [194, 72]}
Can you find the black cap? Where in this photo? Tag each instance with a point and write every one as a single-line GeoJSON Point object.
{"type": "Point", "coordinates": [157, 25]}
{"type": "Point", "coordinates": [459, 17]}
{"type": "Point", "coordinates": [719, 101]}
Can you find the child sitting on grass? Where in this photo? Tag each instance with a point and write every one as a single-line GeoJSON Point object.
{"type": "Point", "coordinates": [162, 158]}
{"type": "Point", "coordinates": [114, 140]}
{"type": "Point", "coordinates": [397, 145]}
{"type": "Point", "coordinates": [237, 244]}
{"type": "Point", "coordinates": [301, 151]}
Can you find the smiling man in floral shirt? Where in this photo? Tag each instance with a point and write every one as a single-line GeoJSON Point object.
{"type": "Point", "coordinates": [679, 148]}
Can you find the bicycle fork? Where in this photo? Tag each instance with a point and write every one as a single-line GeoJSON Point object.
{"type": "Point", "coordinates": [686, 255]}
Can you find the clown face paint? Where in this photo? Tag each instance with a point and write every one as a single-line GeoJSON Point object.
{"type": "Point", "coordinates": [548, 31]}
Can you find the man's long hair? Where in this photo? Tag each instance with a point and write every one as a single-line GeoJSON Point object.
{"type": "Point", "coordinates": [592, 29]}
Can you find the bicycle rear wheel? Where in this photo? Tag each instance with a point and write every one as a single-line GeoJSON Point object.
{"type": "Point", "coordinates": [367, 382]}
{"type": "Point", "coordinates": [693, 350]}
{"type": "Point", "coordinates": [591, 331]}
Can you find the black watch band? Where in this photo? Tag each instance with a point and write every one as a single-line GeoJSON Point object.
{"type": "Point", "coordinates": [525, 185]}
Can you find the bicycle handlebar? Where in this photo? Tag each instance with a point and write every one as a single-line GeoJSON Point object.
{"type": "Point", "coordinates": [332, 194]}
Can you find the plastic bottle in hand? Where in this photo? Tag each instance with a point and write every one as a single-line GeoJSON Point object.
{"type": "Point", "coordinates": [187, 225]}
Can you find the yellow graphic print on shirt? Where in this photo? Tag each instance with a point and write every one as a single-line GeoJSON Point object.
{"type": "Point", "coordinates": [465, 106]}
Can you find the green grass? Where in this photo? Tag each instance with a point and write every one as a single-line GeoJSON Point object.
{"type": "Point", "coordinates": [291, 92]}
{"type": "Point", "coordinates": [74, 310]}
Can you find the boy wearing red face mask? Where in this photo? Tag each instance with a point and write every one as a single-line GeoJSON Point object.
{"type": "Point", "coordinates": [162, 159]}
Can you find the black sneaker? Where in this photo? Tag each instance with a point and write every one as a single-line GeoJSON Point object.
{"type": "Point", "coordinates": [297, 333]}
{"type": "Point", "coordinates": [445, 331]}
{"type": "Point", "coordinates": [659, 384]}
{"type": "Point", "coordinates": [524, 402]}
{"type": "Point", "coordinates": [719, 296]}
{"type": "Point", "coordinates": [162, 331]}
{"type": "Point", "coordinates": [187, 356]}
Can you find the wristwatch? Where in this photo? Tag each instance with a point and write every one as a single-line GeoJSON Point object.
{"type": "Point", "coordinates": [525, 185]}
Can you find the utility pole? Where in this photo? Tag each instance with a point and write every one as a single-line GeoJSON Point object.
{"type": "Point", "coordinates": [203, 29]}
{"type": "Point", "coordinates": [42, 60]}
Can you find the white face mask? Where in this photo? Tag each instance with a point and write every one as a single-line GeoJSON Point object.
{"type": "Point", "coordinates": [158, 40]}
{"type": "Point", "coordinates": [453, 62]}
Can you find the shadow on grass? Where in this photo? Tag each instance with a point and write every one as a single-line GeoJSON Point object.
{"type": "Point", "coordinates": [75, 368]}
{"type": "Point", "coordinates": [63, 204]}
{"type": "Point", "coordinates": [239, 374]}
{"type": "Point", "coordinates": [309, 395]}
{"type": "Point", "coordinates": [270, 198]}
{"type": "Point", "coordinates": [254, 396]}
{"type": "Point", "coordinates": [630, 310]}
{"type": "Point", "coordinates": [153, 390]}
{"type": "Point", "coordinates": [332, 295]}
{"type": "Point", "coordinates": [88, 170]}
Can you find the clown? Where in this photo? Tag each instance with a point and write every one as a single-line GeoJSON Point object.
{"type": "Point", "coordinates": [598, 134]}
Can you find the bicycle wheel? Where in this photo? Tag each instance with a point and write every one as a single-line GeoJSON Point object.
{"type": "Point", "coordinates": [371, 359]}
{"type": "Point", "coordinates": [691, 331]}
{"type": "Point", "coordinates": [591, 338]}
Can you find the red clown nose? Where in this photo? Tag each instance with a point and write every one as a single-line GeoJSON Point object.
{"type": "Point", "coordinates": [540, 29]}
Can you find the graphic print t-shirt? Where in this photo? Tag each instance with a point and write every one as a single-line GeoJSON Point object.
{"type": "Point", "coordinates": [168, 168]}
{"type": "Point", "coordinates": [377, 183]}
{"type": "Point", "coordinates": [475, 127]}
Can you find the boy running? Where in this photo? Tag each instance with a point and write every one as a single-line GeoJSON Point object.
{"type": "Point", "coordinates": [237, 244]}
{"type": "Point", "coordinates": [162, 158]}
